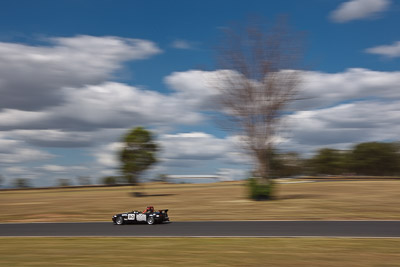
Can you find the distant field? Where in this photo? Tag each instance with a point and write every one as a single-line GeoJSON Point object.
{"type": "Point", "coordinates": [350, 200]}
{"type": "Point", "coordinates": [322, 252]}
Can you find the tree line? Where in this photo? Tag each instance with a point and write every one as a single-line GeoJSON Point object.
{"type": "Point", "coordinates": [370, 159]}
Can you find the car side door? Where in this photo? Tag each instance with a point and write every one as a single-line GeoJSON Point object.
{"type": "Point", "coordinates": [141, 217]}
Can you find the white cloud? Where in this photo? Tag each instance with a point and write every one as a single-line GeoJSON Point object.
{"type": "Point", "coordinates": [61, 168]}
{"type": "Point", "coordinates": [192, 146]}
{"type": "Point", "coordinates": [54, 137]}
{"type": "Point", "coordinates": [117, 104]}
{"type": "Point", "coordinates": [108, 105]}
{"type": "Point", "coordinates": [17, 152]}
{"type": "Point", "coordinates": [196, 88]}
{"type": "Point", "coordinates": [359, 9]}
{"type": "Point", "coordinates": [390, 51]}
{"type": "Point", "coordinates": [326, 89]}
{"type": "Point", "coordinates": [31, 77]}
{"type": "Point", "coordinates": [53, 168]}
{"type": "Point", "coordinates": [14, 118]}
{"type": "Point", "coordinates": [317, 89]}
{"type": "Point", "coordinates": [109, 48]}
{"type": "Point", "coordinates": [344, 125]}
{"type": "Point", "coordinates": [198, 148]}
{"type": "Point", "coordinates": [182, 44]}
{"type": "Point", "coordinates": [16, 170]}
{"type": "Point", "coordinates": [107, 155]}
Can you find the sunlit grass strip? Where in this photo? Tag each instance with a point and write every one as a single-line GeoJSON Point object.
{"type": "Point", "coordinates": [199, 252]}
{"type": "Point", "coordinates": [350, 200]}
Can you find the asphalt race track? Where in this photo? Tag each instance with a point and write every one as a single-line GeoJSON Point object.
{"type": "Point", "coordinates": [211, 229]}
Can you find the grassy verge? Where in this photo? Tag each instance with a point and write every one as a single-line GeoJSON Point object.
{"type": "Point", "coordinates": [220, 201]}
{"type": "Point", "coordinates": [198, 252]}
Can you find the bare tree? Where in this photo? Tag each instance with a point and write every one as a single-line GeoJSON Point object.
{"type": "Point", "coordinates": [259, 80]}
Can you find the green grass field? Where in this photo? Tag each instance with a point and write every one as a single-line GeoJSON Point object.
{"type": "Point", "coordinates": [199, 252]}
{"type": "Point", "coordinates": [352, 200]}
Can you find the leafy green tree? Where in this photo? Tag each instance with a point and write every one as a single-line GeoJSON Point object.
{"type": "Point", "coordinates": [138, 154]}
{"type": "Point", "coordinates": [375, 158]}
{"type": "Point", "coordinates": [329, 161]}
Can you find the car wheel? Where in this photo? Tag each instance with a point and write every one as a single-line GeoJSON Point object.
{"type": "Point", "coordinates": [119, 220]}
{"type": "Point", "coordinates": [150, 220]}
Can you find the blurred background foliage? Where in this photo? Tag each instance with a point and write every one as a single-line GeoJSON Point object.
{"type": "Point", "coordinates": [372, 159]}
{"type": "Point", "coordinates": [364, 159]}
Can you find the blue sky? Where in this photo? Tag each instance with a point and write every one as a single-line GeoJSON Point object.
{"type": "Point", "coordinates": [74, 75]}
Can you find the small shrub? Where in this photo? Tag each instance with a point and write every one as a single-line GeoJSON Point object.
{"type": "Point", "coordinates": [260, 190]}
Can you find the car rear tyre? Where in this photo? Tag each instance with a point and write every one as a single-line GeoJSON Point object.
{"type": "Point", "coordinates": [119, 220]}
{"type": "Point", "coordinates": [150, 220]}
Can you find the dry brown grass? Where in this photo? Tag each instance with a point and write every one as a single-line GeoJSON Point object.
{"type": "Point", "coordinates": [199, 252]}
{"type": "Point", "coordinates": [221, 201]}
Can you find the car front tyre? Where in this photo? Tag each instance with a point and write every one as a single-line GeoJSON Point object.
{"type": "Point", "coordinates": [150, 220]}
{"type": "Point", "coordinates": [119, 220]}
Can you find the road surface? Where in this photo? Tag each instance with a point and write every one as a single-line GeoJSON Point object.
{"type": "Point", "coordinates": [210, 229]}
